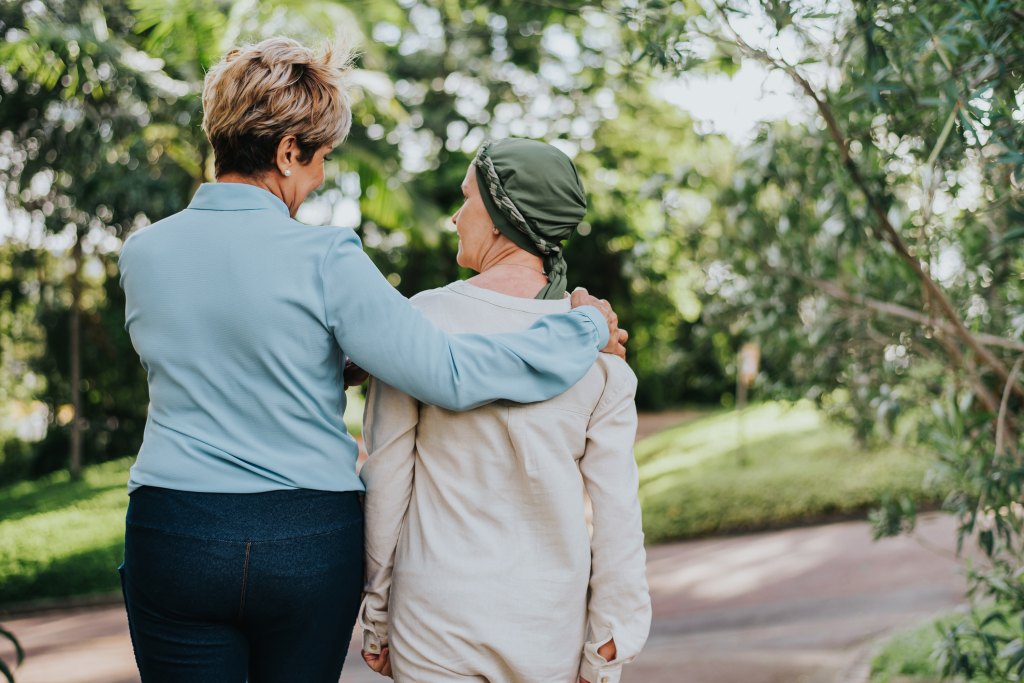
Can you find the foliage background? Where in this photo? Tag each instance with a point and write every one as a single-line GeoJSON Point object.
{"type": "Point", "coordinates": [871, 246]}
{"type": "Point", "coordinates": [99, 132]}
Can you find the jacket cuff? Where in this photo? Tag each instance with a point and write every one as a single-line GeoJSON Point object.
{"type": "Point", "coordinates": [375, 635]}
{"type": "Point", "coordinates": [372, 643]}
{"type": "Point", "coordinates": [600, 324]}
{"type": "Point", "coordinates": [600, 673]}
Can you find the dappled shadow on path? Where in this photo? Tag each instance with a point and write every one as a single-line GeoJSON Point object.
{"type": "Point", "coordinates": [790, 606]}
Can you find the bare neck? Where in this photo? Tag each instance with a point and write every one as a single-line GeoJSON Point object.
{"type": "Point", "coordinates": [510, 270]}
{"type": "Point", "coordinates": [264, 181]}
{"type": "Point", "coordinates": [258, 181]}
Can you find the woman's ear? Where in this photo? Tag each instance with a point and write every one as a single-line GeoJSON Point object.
{"type": "Point", "coordinates": [287, 155]}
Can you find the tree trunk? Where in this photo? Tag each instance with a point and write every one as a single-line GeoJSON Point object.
{"type": "Point", "coordinates": [75, 342]}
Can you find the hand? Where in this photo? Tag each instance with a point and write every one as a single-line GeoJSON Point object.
{"type": "Point", "coordinates": [616, 338]}
{"type": "Point", "coordinates": [354, 374]}
{"type": "Point", "coordinates": [607, 651]}
{"type": "Point", "coordinates": [380, 663]}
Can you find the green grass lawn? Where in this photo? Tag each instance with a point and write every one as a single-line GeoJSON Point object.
{"type": "Point", "coordinates": [907, 657]}
{"type": "Point", "coordinates": [776, 465]}
{"type": "Point", "coordinates": [911, 655]}
{"type": "Point", "coordinates": [60, 538]}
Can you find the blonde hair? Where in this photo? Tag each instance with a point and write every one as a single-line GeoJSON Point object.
{"type": "Point", "coordinates": [259, 94]}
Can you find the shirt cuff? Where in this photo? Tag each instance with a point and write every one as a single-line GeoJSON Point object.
{"type": "Point", "coordinates": [597, 669]}
{"type": "Point", "coordinates": [600, 324]}
{"type": "Point", "coordinates": [375, 635]}
{"type": "Point", "coordinates": [605, 673]}
{"type": "Point", "coordinates": [371, 642]}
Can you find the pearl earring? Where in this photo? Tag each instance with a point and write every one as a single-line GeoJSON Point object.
{"type": "Point", "coordinates": [288, 173]}
{"type": "Point", "coordinates": [496, 231]}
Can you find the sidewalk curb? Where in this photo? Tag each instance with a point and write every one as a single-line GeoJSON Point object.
{"type": "Point", "coordinates": [858, 667]}
{"type": "Point", "coordinates": [45, 605]}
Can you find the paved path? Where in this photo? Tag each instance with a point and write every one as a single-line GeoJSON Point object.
{"type": "Point", "coordinates": [652, 423]}
{"type": "Point", "coordinates": [794, 606]}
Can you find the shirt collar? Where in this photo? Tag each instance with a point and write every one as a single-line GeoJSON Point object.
{"type": "Point", "coordinates": [235, 197]}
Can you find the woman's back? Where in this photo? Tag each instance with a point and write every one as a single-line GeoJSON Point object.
{"type": "Point", "coordinates": [501, 482]}
{"type": "Point", "coordinates": [494, 557]}
{"type": "Point", "coordinates": [225, 308]}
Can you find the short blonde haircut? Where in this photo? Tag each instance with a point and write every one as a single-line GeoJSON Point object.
{"type": "Point", "coordinates": [259, 94]}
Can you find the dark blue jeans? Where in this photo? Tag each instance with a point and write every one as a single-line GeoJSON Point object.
{"type": "Point", "coordinates": [224, 588]}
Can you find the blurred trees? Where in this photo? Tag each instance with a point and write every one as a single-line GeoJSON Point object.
{"type": "Point", "coordinates": [77, 99]}
{"type": "Point", "coordinates": [875, 251]}
{"type": "Point", "coordinates": [99, 135]}
{"type": "Point", "coordinates": [872, 248]}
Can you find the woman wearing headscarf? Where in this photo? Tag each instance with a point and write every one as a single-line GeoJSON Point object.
{"type": "Point", "coordinates": [244, 541]}
{"type": "Point", "coordinates": [479, 563]}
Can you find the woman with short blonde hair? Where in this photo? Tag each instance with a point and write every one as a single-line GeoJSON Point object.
{"type": "Point", "coordinates": [258, 95]}
{"type": "Point", "coordinates": [244, 535]}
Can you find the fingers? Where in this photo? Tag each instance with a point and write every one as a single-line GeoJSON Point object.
{"type": "Point", "coordinates": [607, 306]}
{"type": "Point", "coordinates": [378, 662]}
{"type": "Point", "coordinates": [579, 297]}
{"type": "Point", "coordinates": [616, 338]}
{"type": "Point", "coordinates": [608, 650]}
{"type": "Point", "coordinates": [617, 344]}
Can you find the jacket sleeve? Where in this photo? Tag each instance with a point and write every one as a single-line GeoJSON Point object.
{"type": "Point", "coordinates": [389, 431]}
{"type": "Point", "coordinates": [619, 606]}
{"type": "Point", "coordinates": [381, 331]}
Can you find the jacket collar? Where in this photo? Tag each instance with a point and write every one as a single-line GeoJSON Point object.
{"type": "Point", "coordinates": [235, 197]}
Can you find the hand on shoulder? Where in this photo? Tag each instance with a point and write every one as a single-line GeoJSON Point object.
{"type": "Point", "coordinates": [617, 338]}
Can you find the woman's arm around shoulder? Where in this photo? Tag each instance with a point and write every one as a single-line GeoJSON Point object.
{"type": "Point", "coordinates": [381, 331]}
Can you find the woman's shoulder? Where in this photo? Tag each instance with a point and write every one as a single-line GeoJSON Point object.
{"type": "Point", "coordinates": [618, 376]}
{"type": "Point", "coordinates": [434, 303]}
{"type": "Point", "coordinates": [433, 296]}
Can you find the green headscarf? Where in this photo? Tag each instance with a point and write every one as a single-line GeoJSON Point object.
{"type": "Point", "coordinates": [534, 196]}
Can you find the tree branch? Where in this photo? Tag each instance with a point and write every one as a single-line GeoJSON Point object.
{"type": "Point", "coordinates": [886, 231]}
{"type": "Point", "coordinates": [837, 292]}
{"type": "Point", "coordinates": [1001, 420]}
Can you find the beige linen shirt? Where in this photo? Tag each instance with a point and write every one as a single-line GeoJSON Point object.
{"type": "Point", "coordinates": [479, 562]}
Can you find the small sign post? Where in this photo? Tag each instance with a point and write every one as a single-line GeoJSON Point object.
{"type": "Point", "coordinates": [748, 362]}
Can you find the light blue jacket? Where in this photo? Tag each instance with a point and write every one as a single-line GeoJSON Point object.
{"type": "Point", "coordinates": [243, 318]}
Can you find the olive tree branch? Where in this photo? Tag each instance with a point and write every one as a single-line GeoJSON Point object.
{"type": "Point", "coordinates": [886, 231]}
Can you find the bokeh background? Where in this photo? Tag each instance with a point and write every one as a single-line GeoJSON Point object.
{"type": "Point", "coordinates": [807, 213]}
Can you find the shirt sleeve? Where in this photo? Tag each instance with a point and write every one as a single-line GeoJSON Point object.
{"type": "Point", "coordinates": [381, 331]}
{"type": "Point", "coordinates": [389, 430]}
{"type": "Point", "coordinates": [620, 605]}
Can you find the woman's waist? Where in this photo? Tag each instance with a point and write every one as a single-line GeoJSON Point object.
{"type": "Point", "coordinates": [239, 461]}
{"type": "Point", "coordinates": [263, 516]}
